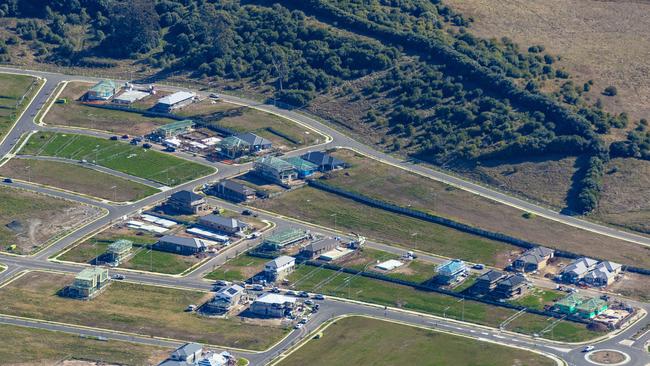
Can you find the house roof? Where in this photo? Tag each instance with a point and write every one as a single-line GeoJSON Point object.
{"type": "Point", "coordinates": [603, 270]}
{"type": "Point", "coordinates": [232, 142]}
{"type": "Point", "coordinates": [176, 98]}
{"type": "Point", "coordinates": [274, 163]}
{"type": "Point", "coordinates": [229, 292]}
{"type": "Point", "coordinates": [451, 267]}
{"type": "Point", "coordinates": [182, 241]}
{"type": "Point", "coordinates": [610, 266]}
{"type": "Point", "coordinates": [172, 126]}
{"type": "Point", "coordinates": [592, 304]}
{"type": "Point", "coordinates": [88, 274]}
{"type": "Point", "coordinates": [174, 363]}
{"type": "Point", "coordinates": [321, 244]}
{"type": "Point", "coordinates": [513, 281]}
{"type": "Point", "coordinates": [186, 196]}
{"type": "Point", "coordinates": [120, 245]}
{"type": "Point", "coordinates": [269, 298]}
{"type": "Point", "coordinates": [301, 164]}
{"type": "Point", "coordinates": [320, 158]}
{"type": "Point", "coordinates": [580, 266]}
{"type": "Point", "coordinates": [104, 86]}
{"type": "Point", "coordinates": [536, 255]}
{"type": "Point", "coordinates": [280, 261]}
{"type": "Point", "coordinates": [186, 350]}
{"type": "Point", "coordinates": [253, 139]}
{"type": "Point", "coordinates": [131, 96]}
{"type": "Point", "coordinates": [570, 300]}
{"type": "Point", "coordinates": [236, 187]}
{"type": "Point", "coordinates": [491, 276]}
{"type": "Point", "coordinates": [286, 236]}
{"type": "Point", "coordinates": [222, 221]}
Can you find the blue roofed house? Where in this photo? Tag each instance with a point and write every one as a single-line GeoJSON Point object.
{"type": "Point", "coordinates": [103, 90]}
{"type": "Point", "coordinates": [303, 167]}
{"type": "Point", "coordinates": [451, 271]}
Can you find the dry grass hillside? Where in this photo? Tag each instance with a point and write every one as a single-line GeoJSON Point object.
{"type": "Point", "coordinates": [607, 41]}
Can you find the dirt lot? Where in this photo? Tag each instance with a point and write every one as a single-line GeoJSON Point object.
{"type": "Point", "coordinates": [607, 41]}
{"type": "Point", "coordinates": [400, 187]}
{"type": "Point", "coordinates": [76, 114]}
{"type": "Point", "coordinates": [632, 285]}
{"type": "Point", "coordinates": [28, 219]}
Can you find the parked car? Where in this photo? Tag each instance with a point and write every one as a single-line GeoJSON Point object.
{"type": "Point", "coordinates": [170, 149]}
{"type": "Point", "coordinates": [118, 276]}
{"type": "Point", "coordinates": [275, 290]}
{"type": "Point", "coordinates": [114, 138]}
{"type": "Point", "coordinates": [134, 142]}
{"type": "Point", "coordinates": [319, 297]}
{"type": "Point", "coordinates": [190, 308]}
{"type": "Point", "coordinates": [303, 294]}
{"type": "Point", "coordinates": [146, 145]}
{"type": "Point", "coordinates": [309, 302]}
{"type": "Point", "coordinates": [125, 137]}
{"type": "Point", "coordinates": [258, 288]}
{"type": "Point", "coordinates": [478, 266]}
{"type": "Point", "coordinates": [291, 293]}
{"type": "Point", "coordinates": [303, 321]}
{"type": "Point", "coordinates": [247, 212]}
{"type": "Point", "coordinates": [222, 283]}
{"type": "Point", "coordinates": [7, 180]}
{"type": "Point", "coordinates": [297, 326]}
{"type": "Point", "coordinates": [214, 95]}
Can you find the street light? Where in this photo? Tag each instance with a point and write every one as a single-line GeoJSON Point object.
{"type": "Point", "coordinates": [334, 214]}
{"type": "Point", "coordinates": [114, 193]}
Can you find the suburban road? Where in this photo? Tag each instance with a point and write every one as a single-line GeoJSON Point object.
{"type": "Point", "coordinates": [331, 308]}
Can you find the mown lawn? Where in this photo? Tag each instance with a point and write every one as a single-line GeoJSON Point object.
{"type": "Point", "coordinates": [143, 259]}
{"type": "Point", "coordinates": [134, 160]}
{"type": "Point", "coordinates": [415, 270]}
{"type": "Point", "coordinates": [76, 178]}
{"type": "Point", "coordinates": [330, 210]}
{"type": "Point", "coordinates": [44, 347]}
{"type": "Point", "coordinates": [238, 269]}
{"type": "Point", "coordinates": [366, 341]}
{"type": "Point", "coordinates": [314, 279]}
{"type": "Point", "coordinates": [129, 307]}
{"type": "Point", "coordinates": [537, 298]}
{"type": "Point", "coordinates": [12, 89]}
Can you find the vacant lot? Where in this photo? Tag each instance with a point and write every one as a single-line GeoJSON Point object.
{"type": "Point", "coordinates": [76, 178]}
{"type": "Point", "coordinates": [315, 279]}
{"type": "Point", "coordinates": [607, 41]}
{"type": "Point", "coordinates": [238, 269]}
{"type": "Point", "coordinates": [366, 259]}
{"type": "Point", "coordinates": [143, 259]}
{"type": "Point", "coordinates": [27, 346]}
{"type": "Point", "coordinates": [12, 102]}
{"type": "Point", "coordinates": [76, 114]}
{"type": "Point", "coordinates": [625, 200]}
{"type": "Point", "coordinates": [282, 132]}
{"type": "Point", "coordinates": [327, 209]}
{"type": "Point", "coordinates": [357, 339]}
{"type": "Point", "coordinates": [153, 165]}
{"type": "Point", "coordinates": [537, 298]}
{"type": "Point", "coordinates": [400, 187]}
{"type": "Point", "coordinates": [149, 310]}
{"type": "Point", "coordinates": [28, 220]}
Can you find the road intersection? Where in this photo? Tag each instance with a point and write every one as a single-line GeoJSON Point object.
{"type": "Point", "coordinates": [570, 353]}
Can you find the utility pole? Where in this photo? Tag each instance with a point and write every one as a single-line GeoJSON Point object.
{"type": "Point", "coordinates": [114, 193]}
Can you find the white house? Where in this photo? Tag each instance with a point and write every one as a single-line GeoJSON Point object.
{"type": "Point", "coordinates": [279, 267]}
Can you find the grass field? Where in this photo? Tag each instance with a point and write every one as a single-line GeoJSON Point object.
{"type": "Point", "coordinates": [319, 207]}
{"type": "Point", "coordinates": [388, 183]}
{"type": "Point", "coordinates": [238, 269]}
{"type": "Point", "coordinates": [357, 340]}
{"type": "Point", "coordinates": [12, 103]}
{"type": "Point", "coordinates": [312, 279]}
{"type": "Point", "coordinates": [128, 307]}
{"type": "Point", "coordinates": [28, 220]}
{"type": "Point", "coordinates": [244, 119]}
{"type": "Point", "coordinates": [76, 178]}
{"type": "Point", "coordinates": [29, 346]}
{"type": "Point", "coordinates": [537, 298]}
{"type": "Point", "coordinates": [153, 165]}
{"type": "Point", "coordinates": [143, 259]}
{"type": "Point", "coordinates": [415, 270]}
{"type": "Point", "coordinates": [76, 114]}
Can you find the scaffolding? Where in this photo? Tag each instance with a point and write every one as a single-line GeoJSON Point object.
{"type": "Point", "coordinates": [286, 237]}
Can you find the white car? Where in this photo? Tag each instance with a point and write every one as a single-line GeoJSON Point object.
{"type": "Point", "coordinates": [297, 326]}
{"type": "Point", "coordinates": [588, 349]}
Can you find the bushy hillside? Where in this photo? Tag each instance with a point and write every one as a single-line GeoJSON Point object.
{"type": "Point", "coordinates": [457, 98]}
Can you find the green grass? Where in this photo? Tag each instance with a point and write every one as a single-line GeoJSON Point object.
{"type": "Point", "coordinates": [365, 341]}
{"type": "Point", "coordinates": [143, 259]}
{"type": "Point", "coordinates": [415, 271]}
{"type": "Point", "coordinates": [537, 298]}
{"type": "Point", "coordinates": [12, 88]}
{"type": "Point", "coordinates": [76, 178]}
{"type": "Point", "coordinates": [43, 347]}
{"type": "Point", "coordinates": [360, 288]}
{"type": "Point", "coordinates": [153, 165]}
{"type": "Point", "coordinates": [238, 269]}
{"type": "Point", "coordinates": [469, 282]}
{"type": "Point", "coordinates": [330, 210]}
{"type": "Point", "coordinates": [130, 307]}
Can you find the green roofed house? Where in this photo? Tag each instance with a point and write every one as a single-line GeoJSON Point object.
{"type": "Point", "coordinates": [174, 129]}
{"type": "Point", "coordinates": [275, 170]}
{"type": "Point", "coordinates": [103, 90]}
{"type": "Point", "coordinates": [303, 167]}
{"type": "Point", "coordinates": [591, 308]}
{"type": "Point", "coordinates": [88, 283]}
{"type": "Point", "coordinates": [569, 304]}
{"type": "Point", "coordinates": [233, 147]}
{"type": "Point", "coordinates": [283, 238]}
{"type": "Point", "coordinates": [118, 251]}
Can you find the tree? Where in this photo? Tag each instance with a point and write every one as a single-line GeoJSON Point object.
{"type": "Point", "coordinates": [134, 28]}
{"type": "Point", "coordinates": [610, 91]}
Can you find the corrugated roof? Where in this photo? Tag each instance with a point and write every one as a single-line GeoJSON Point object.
{"type": "Point", "coordinates": [182, 241]}
{"type": "Point", "coordinates": [320, 158]}
{"type": "Point", "coordinates": [88, 274]}
{"type": "Point", "coordinates": [301, 164]}
{"type": "Point", "coordinates": [221, 221]}
{"type": "Point", "coordinates": [176, 98]}
{"type": "Point", "coordinates": [280, 261]}
{"type": "Point", "coordinates": [104, 85]}
{"type": "Point", "coordinates": [120, 245]}
{"type": "Point", "coordinates": [186, 196]}
{"type": "Point", "coordinates": [268, 298]}
{"type": "Point", "coordinates": [232, 142]}
{"type": "Point", "coordinates": [592, 304]}
{"type": "Point", "coordinates": [274, 163]}
{"type": "Point", "coordinates": [253, 139]}
{"type": "Point", "coordinates": [283, 237]}
{"type": "Point", "coordinates": [570, 300]}
{"type": "Point", "coordinates": [451, 267]}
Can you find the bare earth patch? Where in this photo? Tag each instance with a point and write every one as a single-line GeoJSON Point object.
{"type": "Point", "coordinates": [607, 357]}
